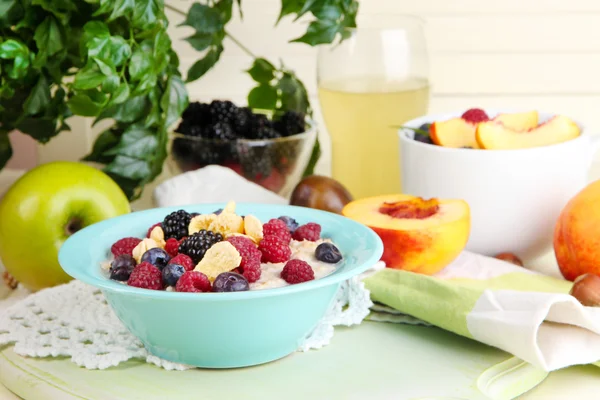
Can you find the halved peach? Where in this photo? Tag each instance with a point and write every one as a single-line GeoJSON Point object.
{"type": "Point", "coordinates": [495, 136]}
{"type": "Point", "coordinates": [455, 132]}
{"type": "Point", "coordinates": [523, 121]}
{"type": "Point", "coordinates": [418, 235]}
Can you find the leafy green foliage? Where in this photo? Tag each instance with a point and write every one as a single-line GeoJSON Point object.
{"type": "Point", "coordinates": [96, 58]}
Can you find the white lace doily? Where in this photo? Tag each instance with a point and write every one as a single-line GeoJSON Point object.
{"type": "Point", "coordinates": [74, 320]}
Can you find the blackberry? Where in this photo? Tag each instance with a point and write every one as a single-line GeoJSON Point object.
{"type": "Point", "coordinates": [242, 122]}
{"type": "Point", "coordinates": [221, 130]}
{"type": "Point", "coordinates": [286, 154]}
{"type": "Point", "coordinates": [197, 114]}
{"type": "Point", "coordinates": [197, 245]}
{"type": "Point", "coordinates": [290, 123]}
{"type": "Point", "coordinates": [222, 111]}
{"type": "Point", "coordinates": [256, 162]}
{"type": "Point", "coordinates": [262, 128]}
{"type": "Point", "coordinates": [189, 129]}
{"type": "Point", "coordinates": [175, 225]}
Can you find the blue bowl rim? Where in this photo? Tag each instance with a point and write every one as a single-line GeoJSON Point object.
{"type": "Point", "coordinates": [106, 284]}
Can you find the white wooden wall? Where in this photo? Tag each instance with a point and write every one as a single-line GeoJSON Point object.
{"type": "Point", "coordinates": [529, 54]}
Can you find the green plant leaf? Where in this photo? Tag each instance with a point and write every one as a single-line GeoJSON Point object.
{"type": "Point", "coordinates": [262, 71]}
{"type": "Point", "coordinates": [104, 142]}
{"type": "Point", "coordinates": [111, 83]}
{"type": "Point", "coordinates": [5, 7]}
{"type": "Point", "coordinates": [314, 158]}
{"type": "Point", "coordinates": [293, 94]}
{"type": "Point", "coordinates": [137, 142]}
{"type": "Point", "coordinates": [225, 8]}
{"type": "Point", "coordinates": [106, 69]}
{"type": "Point", "coordinates": [121, 8]}
{"type": "Point", "coordinates": [41, 129]}
{"type": "Point", "coordinates": [263, 97]}
{"type": "Point", "coordinates": [327, 11]}
{"type": "Point", "coordinates": [147, 83]}
{"type": "Point", "coordinates": [203, 65]}
{"type": "Point", "coordinates": [96, 29]}
{"type": "Point", "coordinates": [200, 41]}
{"type": "Point", "coordinates": [83, 105]}
{"type": "Point", "coordinates": [174, 101]}
{"type": "Point", "coordinates": [39, 98]}
{"type": "Point", "coordinates": [129, 111]}
{"type": "Point", "coordinates": [59, 8]}
{"type": "Point", "coordinates": [48, 37]}
{"type": "Point", "coordinates": [145, 13]}
{"type": "Point", "coordinates": [11, 49]}
{"type": "Point", "coordinates": [19, 53]}
{"type": "Point", "coordinates": [89, 77]}
{"type": "Point", "coordinates": [129, 167]}
{"type": "Point", "coordinates": [306, 7]}
{"type": "Point", "coordinates": [319, 32]}
{"type": "Point", "coordinates": [112, 49]}
{"type": "Point", "coordinates": [154, 115]}
{"type": "Point", "coordinates": [203, 19]}
{"type": "Point", "coordinates": [141, 63]}
{"type": "Point", "coordinates": [5, 149]}
{"type": "Point", "coordinates": [121, 94]}
{"type": "Point", "coordinates": [289, 7]}
{"type": "Point", "coordinates": [239, 4]}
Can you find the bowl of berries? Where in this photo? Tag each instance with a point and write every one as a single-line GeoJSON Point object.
{"type": "Point", "coordinates": [221, 285]}
{"type": "Point", "coordinates": [270, 151]}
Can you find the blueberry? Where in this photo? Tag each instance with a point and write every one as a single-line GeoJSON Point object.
{"type": "Point", "coordinates": [171, 274]}
{"type": "Point", "coordinates": [194, 214]}
{"type": "Point", "coordinates": [121, 267]}
{"type": "Point", "coordinates": [291, 223]}
{"type": "Point", "coordinates": [230, 282]}
{"type": "Point", "coordinates": [157, 257]}
{"type": "Point", "coordinates": [328, 253]}
{"type": "Point", "coordinates": [217, 212]}
{"type": "Point", "coordinates": [425, 128]}
{"type": "Point", "coordinates": [422, 134]}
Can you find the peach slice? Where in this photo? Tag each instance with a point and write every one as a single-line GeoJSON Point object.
{"type": "Point", "coordinates": [418, 235]}
{"type": "Point", "coordinates": [495, 136]}
{"type": "Point", "coordinates": [455, 132]}
{"type": "Point", "coordinates": [523, 121]}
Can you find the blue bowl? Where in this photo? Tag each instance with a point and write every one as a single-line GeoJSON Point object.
{"type": "Point", "coordinates": [220, 330]}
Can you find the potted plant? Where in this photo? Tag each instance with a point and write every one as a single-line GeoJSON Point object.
{"type": "Point", "coordinates": [114, 60]}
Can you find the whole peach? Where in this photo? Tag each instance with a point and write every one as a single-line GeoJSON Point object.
{"type": "Point", "coordinates": [577, 234]}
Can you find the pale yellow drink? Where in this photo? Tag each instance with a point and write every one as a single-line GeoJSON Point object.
{"type": "Point", "coordinates": [362, 117]}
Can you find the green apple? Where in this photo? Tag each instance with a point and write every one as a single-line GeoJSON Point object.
{"type": "Point", "coordinates": [43, 208]}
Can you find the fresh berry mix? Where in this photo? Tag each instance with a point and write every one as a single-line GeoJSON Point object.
{"type": "Point", "coordinates": [172, 247]}
{"type": "Point", "coordinates": [152, 228]}
{"type": "Point", "coordinates": [124, 246]}
{"type": "Point", "coordinates": [297, 271]}
{"type": "Point", "coordinates": [183, 260]}
{"type": "Point", "coordinates": [193, 281]}
{"type": "Point", "coordinates": [230, 282]}
{"type": "Point", "coordinates": [175, 225]}
{"type": "Point", "coordinates": [475, 115]}
{"type": "Point", "coordinates": [274, 250]}
{"type": "Point", "coordinates": [310, 231]}
{"type": "Point", "coordinates": [121, 267]}
{"type": "Point", "coordinates": [328, 253]}
{"type": "Point", "coordinates": [157, 257]}
{"type": "Point", "coordinates": [146, 276]}
{"type": "Point", "coordinates": [171, 274]}
{"type": "Point", "coordinates": [195, 246]}
{"type": "Point", "coordinates": [290, 222]}
{"type": "Point", "coordinates": [237, 253]}
{"type": "Point", "coordinates": [276, 227]}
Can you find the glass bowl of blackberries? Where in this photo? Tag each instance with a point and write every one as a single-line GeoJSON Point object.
{"type": "Point", "coordinates": [270, 150]}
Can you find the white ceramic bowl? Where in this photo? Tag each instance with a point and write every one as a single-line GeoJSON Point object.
{"type": "Point", "coordinates": [515, 196]}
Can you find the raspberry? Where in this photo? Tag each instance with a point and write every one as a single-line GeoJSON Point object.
{"type": "Point", "coordinates": [475, 115]}
{"type": "Point", "coordinates": [310, 231]}
{"type": "Point", "coordinates": [250, 265]}
{"type": "Point", "coordinates": [124, 246]}
{"type": "Point", "coordinates": [276, 227]}
{"type": "Point", "coordinates": [152, 227]}
{"type": "Point", "coordinates": [245, 247]}
{"type": "Point", "coordinates": [297, 271]}
{"type": "Point", "coordinates": [172, 247]}
{"type": "Point", "coordinates": [193, 281]}
{"type": "Point", "coordinates": [274, 249]}
{"type": "Point", "coordinates": [251, 269]}
{"type": "Point", "coordinates": [183, 260]}
{"type": "Point", "coordinates": [146, 276]}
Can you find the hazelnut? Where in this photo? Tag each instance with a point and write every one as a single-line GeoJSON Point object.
{"type": "Point", "coordinates": [509, 257]}
{"type": "Point", "coordinates": [586, 289]}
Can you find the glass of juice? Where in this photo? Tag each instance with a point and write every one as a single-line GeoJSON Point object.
{"type": "Point", "coordinates": [369, 85]}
